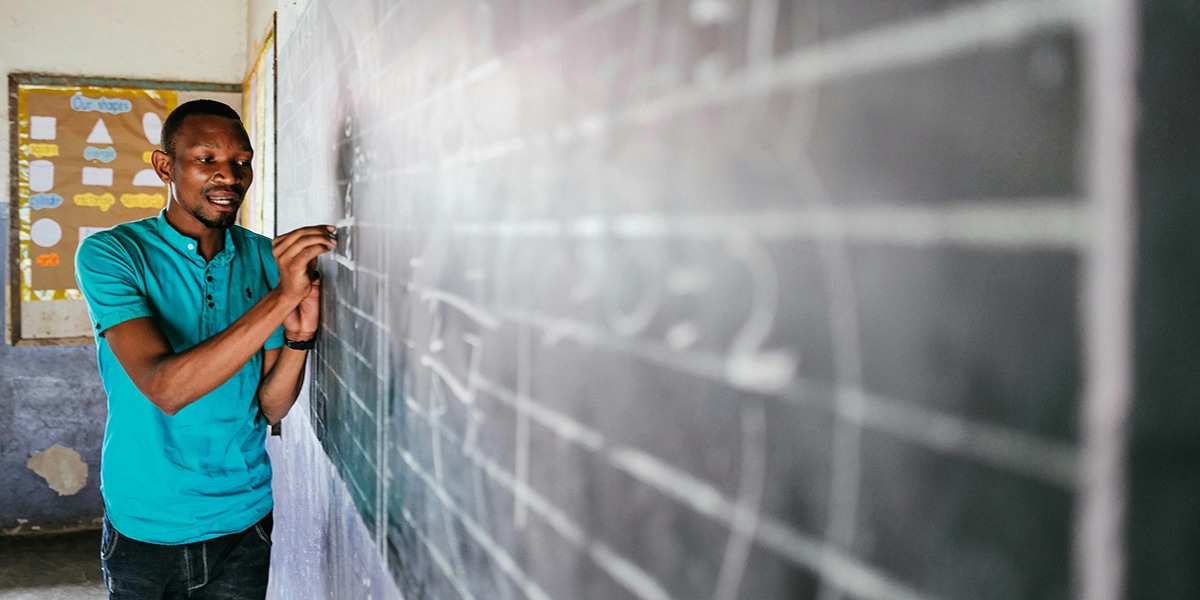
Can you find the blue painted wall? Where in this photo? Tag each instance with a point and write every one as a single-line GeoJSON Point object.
{"type": "Point", "coordinates": [48, 396]}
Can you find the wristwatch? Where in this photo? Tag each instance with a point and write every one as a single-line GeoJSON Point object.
{"type": "Point", "coordinates": [305, 345]}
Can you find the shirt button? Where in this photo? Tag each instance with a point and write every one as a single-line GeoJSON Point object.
{"type": "Point", "coordinates": [209, 278]}
{"type": "Point", "coordinates": [191, 246]}
{"type": "Point", "coordinates": [210, 296]}
{"type": "Point", "coordinates": [210, 305]}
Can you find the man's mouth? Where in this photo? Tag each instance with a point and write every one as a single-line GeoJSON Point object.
{"type": "Point", "coordinates": [224, 198]}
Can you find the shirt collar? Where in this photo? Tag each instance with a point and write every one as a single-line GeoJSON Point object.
{"type": "Point", "coordinates": [188, 247]}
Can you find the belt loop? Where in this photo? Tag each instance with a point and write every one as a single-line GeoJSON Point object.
{"type": "Point", "coordinates": [196, 578]}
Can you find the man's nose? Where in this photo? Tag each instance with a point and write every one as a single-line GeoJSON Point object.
{"type": "Point", "coordinates": [228, 172]}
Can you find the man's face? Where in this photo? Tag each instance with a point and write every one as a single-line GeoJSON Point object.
{"type": "Point", "coordinates": [210, 169]}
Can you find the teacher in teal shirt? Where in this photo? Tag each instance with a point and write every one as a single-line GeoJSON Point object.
{"type": "Point", "coordinates": [202, 330]}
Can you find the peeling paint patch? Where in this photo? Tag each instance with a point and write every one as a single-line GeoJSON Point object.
{"type": "Point", "coordinates": [62, 468]}
{"type": "Point", "coordinates": [15, 530]}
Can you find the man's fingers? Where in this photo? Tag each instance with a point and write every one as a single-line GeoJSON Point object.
{"type": "Point", "coordinates": [296, 253]}
{"type": "Point", "coordinates": [280, 246]}
{"type": "Point", "coordinates": [294, 274]}
{"type": "Point", "coordinates": [283, 242]}
{"type": "Point", "coordinates": [303, 251]}
{"type": "Point", "coordinates": [327, 230]}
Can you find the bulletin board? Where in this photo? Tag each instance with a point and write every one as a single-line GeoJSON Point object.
{"type": "Point", "coordinates": [80, 163]}
{"type": "Point", "coordinates": [258, 113]}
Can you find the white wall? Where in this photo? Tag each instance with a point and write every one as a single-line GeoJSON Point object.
{"type": "Point", "coordinates": [258, 23]}
{"type": "Point", "coordinates": [143, 39]}
{"type": "Point", "coordinates": [290, 12]}
{"type": "Point", "coordinates": [259, 20]}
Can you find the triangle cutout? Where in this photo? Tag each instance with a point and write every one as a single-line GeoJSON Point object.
{"type": "Point", "coordinates": [99, 134]}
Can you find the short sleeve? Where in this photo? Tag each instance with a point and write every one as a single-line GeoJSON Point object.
{"type": "Point", "coordinates": [276, 339]}
{"type": "Point", "coordinates": [109, 282]}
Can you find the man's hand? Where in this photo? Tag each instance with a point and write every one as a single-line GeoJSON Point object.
{"type": "Point", "coordinates": [296, 254]}
{"type": "Point", "coordinates": [283, 370]}
{"type": "Point", "coordinates": [301, 324]}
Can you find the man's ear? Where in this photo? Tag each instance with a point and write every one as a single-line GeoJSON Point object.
{"type": "Point", "coordinates": [162, 165]}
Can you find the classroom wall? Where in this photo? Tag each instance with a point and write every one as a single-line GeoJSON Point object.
{"type": "Point", "coordinates": [507, 400]}
{"type": "Point", "coordinates": [53, 396]}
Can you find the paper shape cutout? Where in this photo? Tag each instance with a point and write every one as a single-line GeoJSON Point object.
{"type": "Point", "coordinates": [43, 150]}
{"type": "Point", "coordinates": [45, 232]}
{"type": "Point", "coordinates": [99, 134]}
{"type": "Point", "coordinates": [147, 178]}
{"type": "Point", "coordinates": [143, 200]}
{"type": "Point", "coordinates": [113, 106]}
{"type": "Point", "coordinates": [152, 127]}
{"type": "Point", "coordinates": [43, 128]}
{"type": "Point", "coordinates": [102, 201]}
{"type": "Point", "coordinates": [41, 175]}
{"type": "Point", "coordinates": [84, 232]}
{"type": "Point", "coordinates": [40, 201]}
{"type": "Point", "coordinates": [48, 260]}
{"type": "Point", "coordinates": [97, 176]}
{"type": "Point", "coordinates": [104, 155]}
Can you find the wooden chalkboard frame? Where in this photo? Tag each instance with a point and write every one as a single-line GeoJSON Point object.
{"type": "Point", "coordinates": [13, 323]}
{"type": "Point", "coordinates": [259, 88]}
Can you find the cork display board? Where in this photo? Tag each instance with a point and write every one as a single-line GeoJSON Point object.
{"type": "Point", "coordinates": [80, 164]}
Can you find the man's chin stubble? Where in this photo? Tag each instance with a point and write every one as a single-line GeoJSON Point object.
{"type": "Point", "coordinates": [225, 221]}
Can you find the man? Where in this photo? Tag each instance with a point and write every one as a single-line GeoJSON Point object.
{"type": "Point", "coordinates": [187, 309]}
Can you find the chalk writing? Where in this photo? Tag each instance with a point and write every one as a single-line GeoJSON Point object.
{"type": "Point", "coordinates": [143, 200]}
{"type": "Point", "coordinates": [749, 366]}
{"type": "Point", "coordinates": [50, 259]}
{"type": "Point", "coordinates": [43, 150]}
{"type": "Point", "coordinates": [102, 201]}
{"type": "Point", "coordinates": [101, 154]}
{"type": "Point", "coordinates": [115, 106]}
{"type": "Point", "coordinates": [40, 201]}
{"type": "Point", "coordinates": [629, 313]}
{"type": "Point", "coordinates": [675, 290]}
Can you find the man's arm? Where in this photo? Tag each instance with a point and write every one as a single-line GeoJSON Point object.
{"type": "Point", "coordinates": [173, 380]}
{"type": "Point", "coordinates": [283, 368]}
{"type": "Point", "coordinates": [283, 376]}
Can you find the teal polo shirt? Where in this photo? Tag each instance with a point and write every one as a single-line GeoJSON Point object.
{"type": "Point", "coordinates": [203, 472]}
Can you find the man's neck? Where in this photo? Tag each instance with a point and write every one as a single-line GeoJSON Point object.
{"type": "Point", "coordinates": [209, 241]}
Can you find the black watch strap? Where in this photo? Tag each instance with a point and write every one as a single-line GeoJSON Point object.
{"type": "Point", "coordinates": [305, 345]}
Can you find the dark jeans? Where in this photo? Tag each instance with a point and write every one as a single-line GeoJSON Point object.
{"type": "Point", "coordinates": [231, 567]}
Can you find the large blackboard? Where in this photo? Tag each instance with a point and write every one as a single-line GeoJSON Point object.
{"type": "Point", "coordinates": [713, 299]}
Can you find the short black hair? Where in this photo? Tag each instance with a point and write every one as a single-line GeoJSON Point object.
{"type": "Point", "coordinates": [195, 107]}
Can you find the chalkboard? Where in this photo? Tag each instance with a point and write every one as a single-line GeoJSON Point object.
{"type": "Point", "coordinates": [713, 299]}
